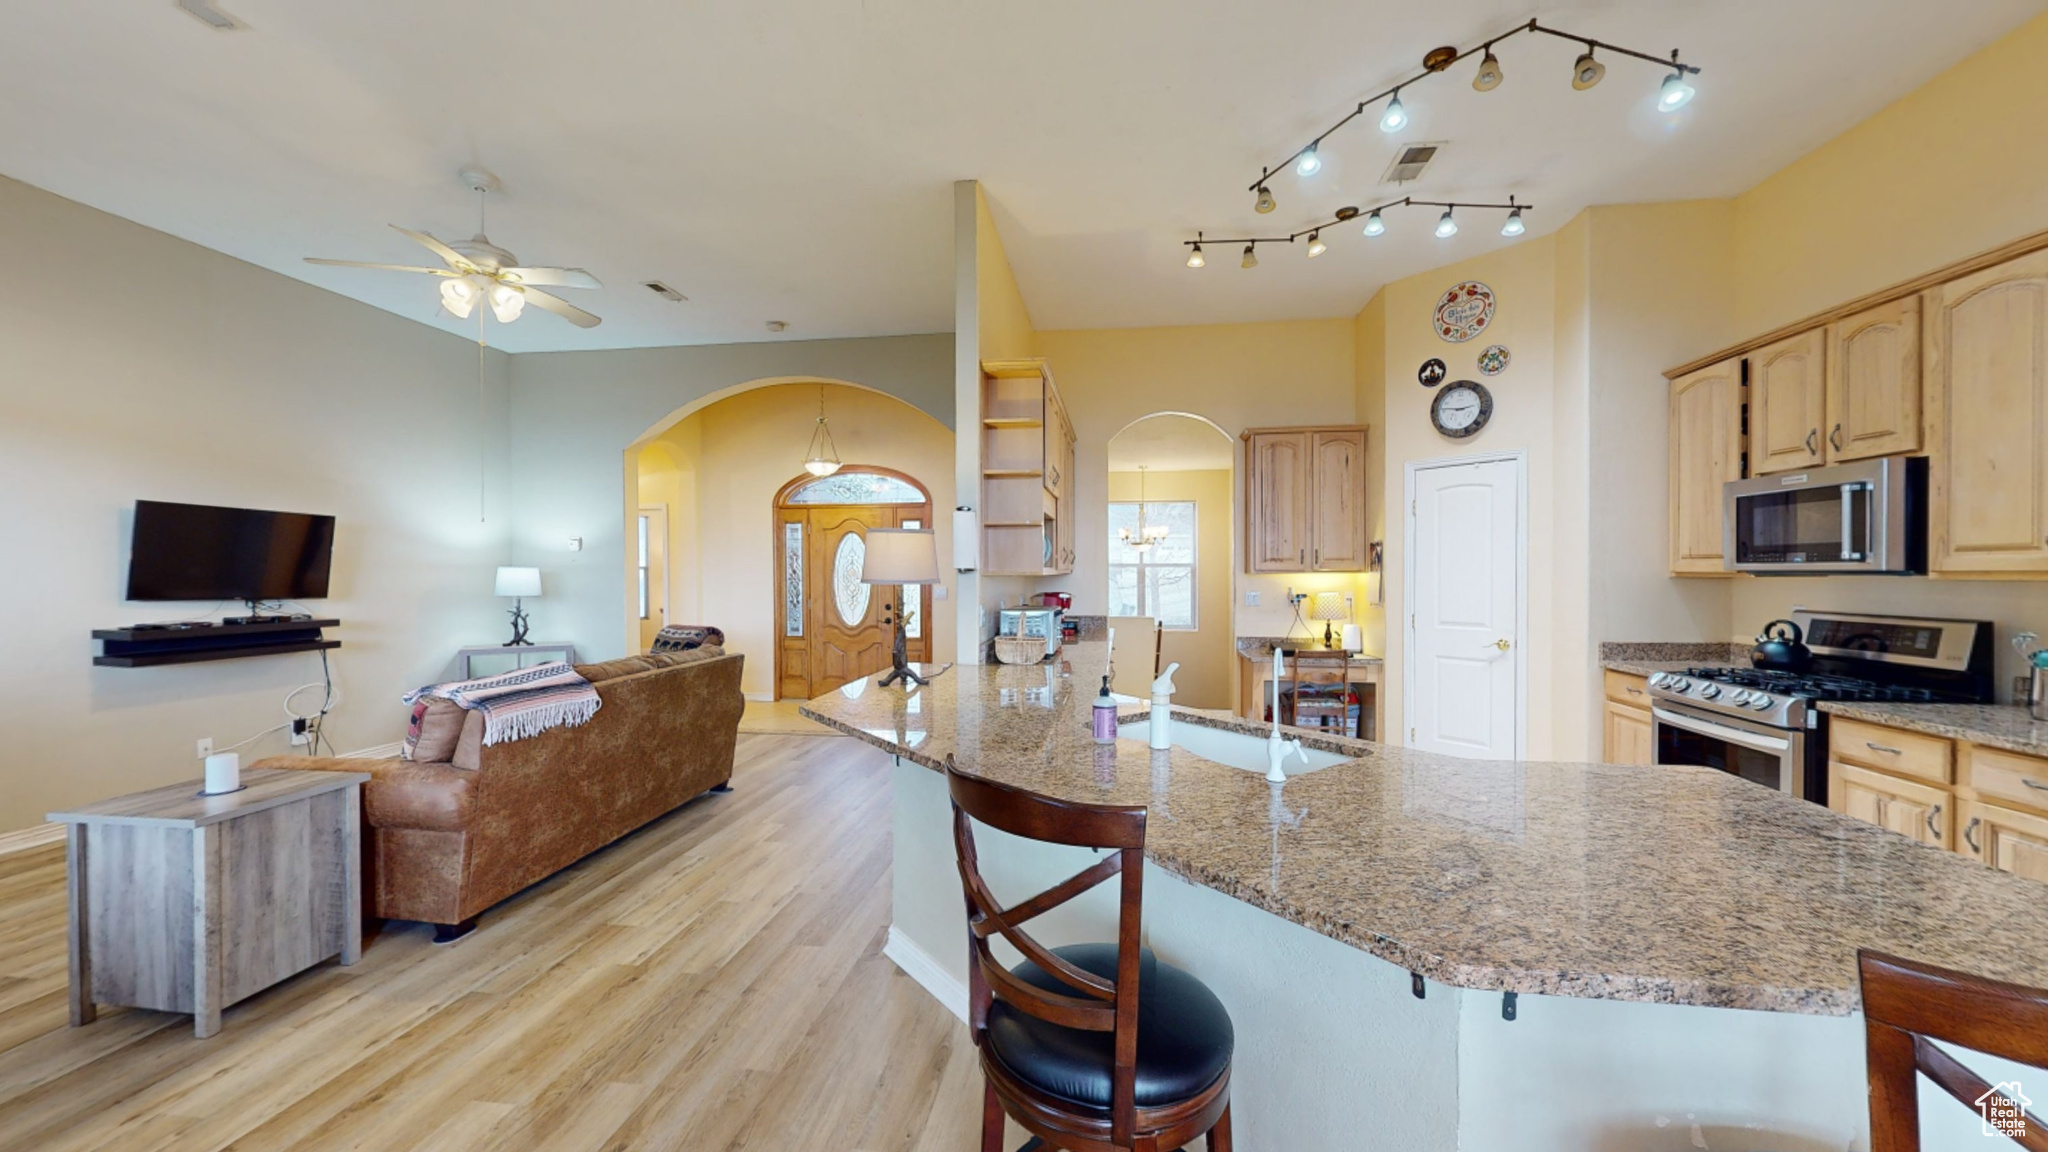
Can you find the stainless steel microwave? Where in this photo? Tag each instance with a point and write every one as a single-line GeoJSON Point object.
{"type": "Point", "coordinates": [1869, 517]}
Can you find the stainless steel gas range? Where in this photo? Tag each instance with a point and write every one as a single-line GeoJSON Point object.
{"type": "Point", "coordinates": [1766, 726]}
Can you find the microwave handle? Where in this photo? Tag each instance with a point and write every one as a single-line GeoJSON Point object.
{"type": "Point", "coordinates": [1849, 517]}
{"type": "Point", "coordinates": [1750, 740]}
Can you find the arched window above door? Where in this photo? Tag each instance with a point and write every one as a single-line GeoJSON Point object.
{"type": "Point", "coordinates": [847, 487]}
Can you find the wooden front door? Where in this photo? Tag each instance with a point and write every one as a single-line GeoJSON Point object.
{"type": "Point", "coordinates": [829, 623]}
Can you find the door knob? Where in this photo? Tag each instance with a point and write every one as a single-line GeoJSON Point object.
{"type": "Point", "coordinates": [1503, 645]}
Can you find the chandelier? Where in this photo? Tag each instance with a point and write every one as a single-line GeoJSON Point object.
{"type": "Point", "coordinates": [1142, 540]}
{"type": "Point", "coordinates": [823, 457]}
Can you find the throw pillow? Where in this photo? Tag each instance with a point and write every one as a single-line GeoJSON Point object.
{"type": "Point", "coordinates": [431, 734]}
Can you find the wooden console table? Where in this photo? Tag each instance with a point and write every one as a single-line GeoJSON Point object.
{"type": "Point", "coordinates": [1333, 667]}
{"type": "Point", "coordinates": [190, 903]}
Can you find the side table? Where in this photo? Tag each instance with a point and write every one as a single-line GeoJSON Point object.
{"type": "Point", "coordinates": [189, 903]}
{"type": "Point", "coordinates": [465, 657]}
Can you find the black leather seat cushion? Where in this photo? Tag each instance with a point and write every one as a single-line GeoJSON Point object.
{"type": "Point", "coordinates": [1184, 1035]}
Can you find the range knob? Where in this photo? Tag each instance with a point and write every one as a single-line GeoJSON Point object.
{"type": "Point", "coordinates": [1680, 684]}
{"type": "Point", "coordinates": [1739, 697]}
{"type": "Point", "coordinates": [1709, 691]}
{"type": "Point", "coordinates": [1761, 702]}
{"type": "Point", "coordinates": [1659, 679]}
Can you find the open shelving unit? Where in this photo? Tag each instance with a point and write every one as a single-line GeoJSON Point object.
{"type": "Point", "coordinates": [1027, 457]}
{"type": "Point", "coordinates": [152, 647]}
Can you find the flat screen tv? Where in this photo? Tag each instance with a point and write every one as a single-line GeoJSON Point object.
{"type": "Point", "coordinates": [197, 552]}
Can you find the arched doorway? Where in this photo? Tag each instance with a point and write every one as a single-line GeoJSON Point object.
{"type": "Point", "coordinates": [828, 625]}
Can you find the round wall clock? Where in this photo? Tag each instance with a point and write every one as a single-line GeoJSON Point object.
{"type": "Point", "coordinates": [1464, 311]}
{"type": "Point", "coordinates": [1461, 409]}
{"type": "Point", "coordinates": [1494, 360]}
{"type": "Point", "coordinates": [1431, 373]}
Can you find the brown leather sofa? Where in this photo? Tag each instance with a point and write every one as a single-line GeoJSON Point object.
{"type": "Point", "coordinates": [449, 840]}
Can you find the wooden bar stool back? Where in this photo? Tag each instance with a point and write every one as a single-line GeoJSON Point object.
{"type": "Point", "coordinates": [1906, 1006]}
{"type": "Point", "coordinates": [1037, 1068]}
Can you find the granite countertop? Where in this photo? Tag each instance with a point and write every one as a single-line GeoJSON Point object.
{"type": "Point", "coordinates": [1670, 885]}
{"type": "Point", "coordinates": [2006, 726]}
{"type": "Point", "coordinates": [1647, 659]}
{"type": "Point", "coordinates": [1261, 648]}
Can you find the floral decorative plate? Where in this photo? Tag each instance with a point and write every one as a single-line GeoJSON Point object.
{"type": "Point", "coordinates": [1494, 360]}
{"type": "Point", "coordinates": [1464, 311]}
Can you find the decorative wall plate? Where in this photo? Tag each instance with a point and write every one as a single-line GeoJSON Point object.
{"type": "Point", "coordinates": [1431, 373]}
{"type": "Point", "coordinates": [1464, 311]}
{"type": "Point", "coordinates": [1494, 360]}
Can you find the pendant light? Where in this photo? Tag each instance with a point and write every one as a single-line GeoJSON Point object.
{"type": "Point", "coordinates": [1316, 247]}
{"type": "Point", "coordinates": [1265, 203]}
{"type": "Point", "coordinates": [1395, 117]}
{"type": "Point", "coordinates": [1251, 257]}
{"type": "Point", "coordinates": [823, 457]}
{"type": "Point", "coordinates": [1445, 226]}
{"type": "Point", "coordinates": [1374, 226]}
{"type": "Point", "coordinates": [1489, 75]}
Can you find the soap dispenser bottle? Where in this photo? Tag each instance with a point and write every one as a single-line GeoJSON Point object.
{"type": "Point", "coordinates": [1162, 708]}
{"type": "Point", "coordinates": [1104, 716]}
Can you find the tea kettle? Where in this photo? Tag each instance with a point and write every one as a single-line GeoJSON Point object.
{"type": "Point", "coordinates": [1781, 647]}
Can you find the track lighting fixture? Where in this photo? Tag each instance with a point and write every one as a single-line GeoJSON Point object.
{"type": "Point", "coordinates": [1265, 202]}
{"type": "Point", "coordinates": [1586, 72]}
{"type": "Point", "coordinates": [1396, 117]}
{"type": "Point", "coordinates": [1489, 75]}
{"type": "Point", "coordinates": [1251, 257]}
{"type": "Point", "coordinates": [1195, 256]}
{"type": "Point", "coordinates": [1374, 226]}
{"type": "Point", "coordinates": [1513, 226]}
{"type": "Point", "coordinates": [1316, 247]}
{"type": "Point", "coordinates": [1445, 226]}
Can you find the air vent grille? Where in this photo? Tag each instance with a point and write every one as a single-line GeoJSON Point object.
{"type": "Point", "coordinates": [663, 291]}
{"type": "Point", "coordinates": [1410, 161]}
{"type": "Point", "coordinates": [208, 14]}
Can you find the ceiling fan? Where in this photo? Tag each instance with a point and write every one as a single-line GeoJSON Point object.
{"type": "Point", "coordinates": [480, 272]}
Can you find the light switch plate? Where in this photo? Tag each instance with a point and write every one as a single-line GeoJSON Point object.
{"type": "Point", "coordinates": [1251, 598]}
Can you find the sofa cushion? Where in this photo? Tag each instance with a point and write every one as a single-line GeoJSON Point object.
{"type": "Point", "coordinates": [431, 734]}
{"type": "Point", "coordinates": [688, 656]}
{"type": "Point", "coordinates": [624, 666]}
{"type": "Point", "coordinates": [411, 794]}
{"type": "Point", "coordinates": [468, 754]}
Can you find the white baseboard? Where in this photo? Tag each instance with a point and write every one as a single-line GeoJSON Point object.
{"type": "Point", "coordinates": [918, 964]}
{"type": "Point", "coordinates": [760, 697]}
{"type": "Point", "coordinates": [377, 752]}
{"type": "Point", "coordinates": [35, 836]}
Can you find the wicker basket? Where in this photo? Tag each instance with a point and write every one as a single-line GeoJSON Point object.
{"type": "Point", "coordinates": [1020, 649]}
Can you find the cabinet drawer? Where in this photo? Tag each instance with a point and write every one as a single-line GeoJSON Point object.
{"type": "Point", "coordinates": [1997, 774]}
{"type": "Point", "coordinates": [1628, 688]}
{"type": "Point", "coordinates": [1892, 749]}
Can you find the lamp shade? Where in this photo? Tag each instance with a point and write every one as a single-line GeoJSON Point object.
{"type": "Point", "coordinates": [1327, 606]}
{"type": "Point", "coordinates": [518, 581]}
{"type": "Point", "coordinates": [901, 556]}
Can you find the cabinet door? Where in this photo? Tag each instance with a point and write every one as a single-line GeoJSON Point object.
{"type": "Point", "coordinates": [1873, 369]}
{"type": "Point", "coordinates": [1628, 736]}
{"type": "Point", "coordinates": [2007, 840]}
{"type": "Point", "coordinates": [1276, 507]}
{"type": "Point", "coordinates": [1986, 389]}
{"type": "Point", "coordinates": [1706, 452]}
{"type": "Point", "coordinates": [1910, 809]}
{"type": "Point", "coordinates": [1788, 404]}
{"type": "Point", "coordinates": [1337, 501]}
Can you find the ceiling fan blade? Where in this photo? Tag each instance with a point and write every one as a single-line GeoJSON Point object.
{"type": "Point", "coordinates": [386, 267]}
{"type": "Point", "coordinates": [562, 308]}
{"type": "Point", "coordinates": [555, 277]}
{"type": "Point", "coordinates": [456, 260]}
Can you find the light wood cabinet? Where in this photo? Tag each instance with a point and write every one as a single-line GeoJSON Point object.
{"type": "Point", "coordinates": [1627, 735]}
{"type": "Point", "coordinates": [1907, 807]}
{"type": "Point", "coordinates": [1305, 500]}
{"type": "Point", "coordinates": [1996, 812]}
{"type": "Point", "coordinates": [2004, 838]}
{"type": "Point", "coordinates": [1706, 452]}
{"type": "Point", "coordinates": [1788, 404]}
{"type": "Point", "coordinates": [1873, 374]}
{"type": "Point", "coordinates": [1894, 750]}
{"type": "Point", "coordinates": [1027, 464]}
{"type": "Point", "coordinates": [1986, 375]}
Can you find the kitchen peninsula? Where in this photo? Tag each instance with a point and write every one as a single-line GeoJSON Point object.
{"type": "Point", "coordinates": [1680, 944]}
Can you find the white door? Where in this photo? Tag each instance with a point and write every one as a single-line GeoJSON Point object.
{"type": "Point", "coordinates": [1465, 573]}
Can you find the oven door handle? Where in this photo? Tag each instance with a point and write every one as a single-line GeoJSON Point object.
{"type": "Point", "coordinates": [1751, 740]}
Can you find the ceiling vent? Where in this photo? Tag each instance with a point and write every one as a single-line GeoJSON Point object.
{"type": "Point", "coordinates": [663, 291]}
{"type": "Point", "coordinates": [209, 14]}
{"type": "Point", "coordinates": [1410, 161]}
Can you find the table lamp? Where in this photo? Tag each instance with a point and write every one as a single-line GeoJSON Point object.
{"type": "Point", "coordinates": [1328, 606]}
{"type": "Point", "coordinates": [900, 556]}
{"type": "Point", "coordinates": [518, 583]}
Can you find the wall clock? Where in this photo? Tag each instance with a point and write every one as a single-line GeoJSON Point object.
{"type": "Point", "coordinates": [1431, 373]}
{"type": "Point", "coordinates": [1464, 311]}
{"type": "Point", "coordinates": [1461, 409]}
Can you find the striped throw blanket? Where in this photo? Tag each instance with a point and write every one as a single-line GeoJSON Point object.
{"type": "Point", "coordinates": [522, 703]}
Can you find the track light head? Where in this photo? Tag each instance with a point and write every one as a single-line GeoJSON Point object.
{"type": "Point", "coordinates": [1675, 94]}
{"type": "Point", "coordinates": [1316, 247]}
{"type": "Point", "coordinates": [1310, 163]}
{"type": "Point", "coordinates": [1514, 225]}
{"type": "Point", "coordinates": [1587, 71]}
{"type": "Point", "coordinates": [1374, 226]}
{"type": "Point", "coordinates": [1445, 226]}
{"type": "Point", "coordinates": [1489, 76]}
{"type": "Point", "coordinates": [1251, 257]}
{"type": "Point", "coordinates": [1265, 203]}
{"type": "Point", "coordinates": [1395, 117]}
{"type": "Point", "coordinates": [1195, 259]}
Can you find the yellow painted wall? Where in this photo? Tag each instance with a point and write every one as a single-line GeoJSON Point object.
{"type": "Point", "coordinates": [1005, 331]}
{"type": "Point", "coordinates": [719, 469]}
{"type": "Point", "coordinates": [1369, 407]}
{"type": "Point", "coordinates": [1207, 655]}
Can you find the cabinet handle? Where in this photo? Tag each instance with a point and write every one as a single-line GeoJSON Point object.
{"type": "Point", "coordinates": [1319, 557]}
{"type": "Point", "coordinates": [1931, 814]}
{"type": "Point", "coordinates": [1635, 691]}
{"type": "Point", "coordinates": [2036, 785]}
{"type": "Point", "coordinates": [1812, 435]}
{"type": "Point", "coordinates": [1970, 834]}
{"type": "Point", "coordinates": [1883, 749]}
{"type": "Point", "coordinates": [1835, 437]}
{"type": "Point", "coordinates": [1301, 557]}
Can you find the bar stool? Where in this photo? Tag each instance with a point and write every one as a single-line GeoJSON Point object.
{"type": "Point", "coordinates": [1091, 1047]}
{"type": "Point", "coordinates": [1906, 1006]}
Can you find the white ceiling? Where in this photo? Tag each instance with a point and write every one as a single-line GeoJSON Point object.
{"type": "Point", "coordinates": [1170, 443]}
{"type": "Point", "coordinates": [792, 159]}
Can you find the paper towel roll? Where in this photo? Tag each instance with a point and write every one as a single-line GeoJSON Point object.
{"type": "Point", "coordinates": [1354, 638]}
{"type": "Point", "coordinates": [223, 772]}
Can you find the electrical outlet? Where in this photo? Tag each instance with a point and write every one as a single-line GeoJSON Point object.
{"type": "Point", "coordinates": [205, 747]}
{"type": "Point", "coordinates": [1251, 598]}
{"type": "Point", "coordinates": [300, 738]}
